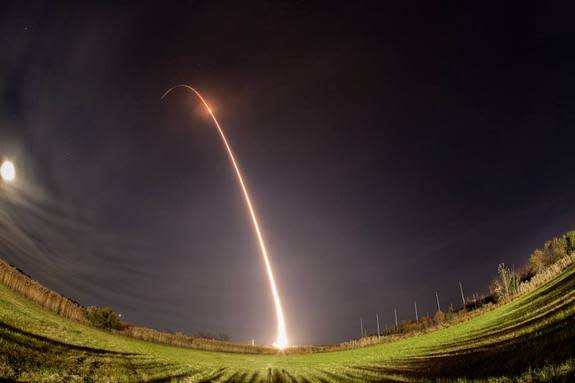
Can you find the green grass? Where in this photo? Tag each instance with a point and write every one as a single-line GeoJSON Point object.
{"type": "Point", "coordinates": [531, 338]}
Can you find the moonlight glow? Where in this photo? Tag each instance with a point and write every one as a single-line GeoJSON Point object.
{"type": "Point", "coordinates": [281, 339]}
{"type": "Point", "coordinates": [8, 171]}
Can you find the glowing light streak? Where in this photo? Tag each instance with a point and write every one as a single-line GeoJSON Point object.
{"type": "Point", "coordinates": [281, 339]}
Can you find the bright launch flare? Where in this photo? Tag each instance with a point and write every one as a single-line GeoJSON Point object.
{"type": "Point", "coordinates": [281, 340]}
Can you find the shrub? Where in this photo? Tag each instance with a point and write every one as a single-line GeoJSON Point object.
{"type": "Point", "coordinates": [103, 317]}
{"type": "Point", "coordinates": [407, 326]}
{"type": "Point", "coordinates": [570, 238]}
{"type": "Point", "coordinates": [537, 261]}
{"type": "Point", "coordinates": [207, 335]}
{"type": "Point", "coordinates": [553, 250]}
{"type": "Point", "coordinates": [506, 285]}
{"type": "Point", "coordinates": [439, 317]}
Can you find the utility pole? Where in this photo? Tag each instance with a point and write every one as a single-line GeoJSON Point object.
{"type": "Point", "coordinates": [416, 314]}
{"type": "Point", "coordinates": [361, 326]}
{"type": "Point", "coordinates": [437, 298]}
{"type": "Point", "coordinates": [377, 319]}
{"type": "Point", "coordinates": [462, 296]}
{"type": "Point", "coordinates": [396, 325]}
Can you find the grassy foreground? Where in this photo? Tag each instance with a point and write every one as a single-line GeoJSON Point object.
{"type": "Point", "coordinates": [531, 338]}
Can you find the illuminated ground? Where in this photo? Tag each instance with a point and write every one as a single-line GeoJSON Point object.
{"type": "Point", "coordinates": [531, 338]}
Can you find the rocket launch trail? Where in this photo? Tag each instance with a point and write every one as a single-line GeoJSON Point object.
{"type": "Point", "coordinates": [281, 338]}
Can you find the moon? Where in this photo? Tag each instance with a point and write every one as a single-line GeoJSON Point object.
{"type": "Point", "coordinates": [8, 171]}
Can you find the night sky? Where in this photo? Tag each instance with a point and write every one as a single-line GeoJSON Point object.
{"type": "Point", "coordinates": [391, 151]}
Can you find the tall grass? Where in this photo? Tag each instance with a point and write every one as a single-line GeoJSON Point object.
{"type": "Point", "coordinates": [183, 340]}
{"type": "Point", "coordinates": [16, 280]}
{"type": "Point", "coordinates": [425, 325]}
{"type": "Point", "coordinates": [547, 274]}
{"type": "Point", "coordinates": [22, 283]}
{"type": "Point", "coordinates": [33, 290]}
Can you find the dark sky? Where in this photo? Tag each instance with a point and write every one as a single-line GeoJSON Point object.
{"type": "Point", "coordinates": [391, 150]}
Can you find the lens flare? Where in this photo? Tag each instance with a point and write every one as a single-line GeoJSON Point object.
{"type": "Point", "coordinates": [281, 339]}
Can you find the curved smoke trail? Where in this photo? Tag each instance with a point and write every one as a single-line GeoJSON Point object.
{"type": "Point", "coordinates": [281, 340]}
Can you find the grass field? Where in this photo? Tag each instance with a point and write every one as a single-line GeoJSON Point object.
{"type": "Point", "coordinates": [532, 338]}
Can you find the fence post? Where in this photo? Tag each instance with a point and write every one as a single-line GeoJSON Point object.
{"type": "Point", "coordinates": [462, 296]}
